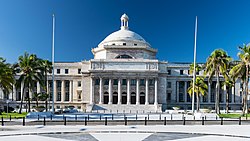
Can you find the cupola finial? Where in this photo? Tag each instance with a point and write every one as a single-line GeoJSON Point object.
{"type": "Point", "coordinates": [124, 22]}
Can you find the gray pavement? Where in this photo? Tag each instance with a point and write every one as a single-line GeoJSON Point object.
{"type": "Point", "coordinates": [125, 133]}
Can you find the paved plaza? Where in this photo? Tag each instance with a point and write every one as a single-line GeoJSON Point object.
{"type": "Point", "coordinates": [125, 133]}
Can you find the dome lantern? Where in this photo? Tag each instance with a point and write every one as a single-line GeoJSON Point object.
{"type": "Point", "coordinates": [124, 22]}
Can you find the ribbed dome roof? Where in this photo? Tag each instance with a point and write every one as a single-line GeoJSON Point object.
{"type": "Point", "coordinates": [123, 35]}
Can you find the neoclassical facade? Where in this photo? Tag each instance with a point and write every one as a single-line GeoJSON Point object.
{"type": "Point", "coordinates": [125, 75]}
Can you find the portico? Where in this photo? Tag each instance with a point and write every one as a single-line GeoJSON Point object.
{"type": "Point", "coordinates": [122, 91]}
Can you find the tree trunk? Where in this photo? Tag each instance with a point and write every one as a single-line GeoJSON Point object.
{"type": "Point", "coordinates": [245, 110]}
{"type": "Point", "coordinates": [29, 99]}
{"type": "Point", "coordinates": [217, 105]}
{"type": "Point", "coordinates": [37, 101]}
{"type": "Point", "coordinates": [46, 105]}
{"type": "Point", "coordinates": [227, 102]}
{"type": "Point", "coordinates": [198, 102]}
{"type": "Point", "coordinates": [21, 105]}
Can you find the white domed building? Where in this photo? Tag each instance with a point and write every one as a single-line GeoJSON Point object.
{"type": "Point", "coordinates": [125, 76]}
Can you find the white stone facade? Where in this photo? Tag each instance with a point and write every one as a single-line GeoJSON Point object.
{"type": "Point", "coordinates": [125, 71]}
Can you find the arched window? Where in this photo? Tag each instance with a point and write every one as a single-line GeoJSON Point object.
{"type": "Point", "coordinates": [124, 56]}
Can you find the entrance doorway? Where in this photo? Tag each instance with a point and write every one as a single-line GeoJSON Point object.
{"type": "Point", "coordinates": [133, 98]}
{"type": "Point", "coordinates": [106, 98]}
{"type": "Point", "coordinates": [115, 98]}
{"type": "Point", "coordinates": [124, 98]}
{"type": "Point", "coordinates": [142, 98]}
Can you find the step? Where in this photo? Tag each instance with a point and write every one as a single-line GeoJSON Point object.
{"type": "Point", "coordinates": [122, 108]}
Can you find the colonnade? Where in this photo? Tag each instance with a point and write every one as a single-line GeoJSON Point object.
{"type": "Point", "coordinates": [119, 89]}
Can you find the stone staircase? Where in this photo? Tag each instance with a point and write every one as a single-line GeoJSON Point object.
{"type": "Point", "coordinates": [122, 108]}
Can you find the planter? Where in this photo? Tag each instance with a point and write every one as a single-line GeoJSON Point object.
{"type": "Point", "coordinates": [39, 109]}
{"type": "Point", "coordinates": [176, 108]}
{"type": "Point", "coordinates": [205, 110]}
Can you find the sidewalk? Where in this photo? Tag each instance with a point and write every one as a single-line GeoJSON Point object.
{"type": "Point", "coordinates": [105, 133]}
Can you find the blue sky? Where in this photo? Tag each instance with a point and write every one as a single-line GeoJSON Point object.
{"type": "Point", "coordinates": [168, 25]}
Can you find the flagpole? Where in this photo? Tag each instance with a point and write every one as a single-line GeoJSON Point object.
{"type": "Point", "coordinates": [53, 61]}
{"type": "Point", "coordinates": [194, 71]}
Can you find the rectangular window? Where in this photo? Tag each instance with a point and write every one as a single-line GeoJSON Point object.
{"type": "Point", "coordinates": [79, 95]}
{"type": "Point", "coordinates": [124, 44]}
{"type": "Point", "coordinates": [115, 82]}
{"type": "Point", "coordinates": [133, 82]}
{"type": "Point", "coordinates": [169, 85]}
{"type": "Point", "coordinates": [181, 72]}
{"type": "Point", "coordinates": [205, 98]}
{"type": "Point", "coordinates": [58, 84]}
{"type": "Point", "coordinates": [59, 96]}
{"type": "Point", "coordinates": [142, 82]}
{"type": "Point", "coordinates": [58, 71]}
{"type": "Point", "coordinates": [106, 82]}
{"type": "Point", "coordinates": [66, 71]}
{"type": "Point", "coordinates": [79, 71]}
{"type": "Point", "coordinates": [151, 82]}
{"type": "Point", "coordinates": [124, 82]}
{"type": "Point", "coordinates": [169, 72]}
{"type": "Point", "coordinates": [97, 82]}
{"type": "Point", "coordinates": [169, 97]}
{"type": "Point", "coordinates": [66, 96]}
{"type": "Point", "coordinates": [79, 83]}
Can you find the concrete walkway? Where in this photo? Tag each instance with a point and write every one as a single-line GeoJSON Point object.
{"type": "Point", "coordinates": [131, 133]}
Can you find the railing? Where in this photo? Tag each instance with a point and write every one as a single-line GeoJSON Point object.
{"type": "Point", "coordinates": [123, 119]}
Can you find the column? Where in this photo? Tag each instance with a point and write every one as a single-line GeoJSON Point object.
{"type": "Point", "coordinates": [156, 92]}
{"type": "Point", "coordinates": [83, 85]}
{"type": "Point", "coordinates": [146, 89]}
{"type": "Point", "coordinates": [185, 91]}
{"type": "Point", "coordinates": [232, 101]}
{"type": "Point", "coordinates": [225, 94]}
{"type": "Point", "coordinates": [91, 96]}
{"type": "Point", "coordinates": [209, 92]}
{"type": "Point", "coordinates": [71, 94]}
{"type": "Point", "coordinates": [22, 91]}
{"type": "Point", "coordinates": [55, 91]}
{"type": "Point", "coordinates": [119, 91]}
{"type": "Point", "coordinates": [63, 91]}
{"type": "Point", "coordinates": [14, 97]}
{"type": "Point", "coordinates": [101, 92]}
{"type": "Point", "coordinates": [128, 91]}
{"type": "Point", "coordinates": [137, 92]}
{"type": "Point", "coordinates": [47, 88]}
{"type": "Point", "coordinates": [38, 87]}
{"type": "Point", "coordinates": [110, 92]}
{"type": "Point", "coordinates": [177, 91]}
{"type": "Point", "coordinates": [30, 92]}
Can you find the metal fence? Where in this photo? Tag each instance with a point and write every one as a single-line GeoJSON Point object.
{"type": "Point", "coordinates": [123, 119]}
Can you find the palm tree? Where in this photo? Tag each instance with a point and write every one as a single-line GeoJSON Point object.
{"type": "Point", "coordinates": [30, 74]}
{"type": "Point", "coordinates": [200, 87]}
{"type": "Point", "coordinates": [229, 83]}
{"type": "Point", "coordinates": [217, 64]}
{"type": "Point", "coordinates": [241, 70]}
{"type": "Point", "coordinates": [197, 68]}
{"type": "Point", "coordinates": [46, 67]}
{"type": "Point", "coordinates": [7, 78]}
{"type": "Point", "coordinates": [36, 98]}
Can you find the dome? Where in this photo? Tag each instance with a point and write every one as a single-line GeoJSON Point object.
{"type": "Point", "coordinates": [123, 35]}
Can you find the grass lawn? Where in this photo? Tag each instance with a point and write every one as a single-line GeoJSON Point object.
{"type": "Point", "coordinates": [13, 115]}
{"type": "Point", "coordinates": [232, 115]}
